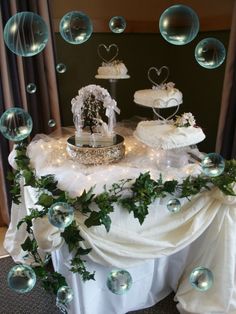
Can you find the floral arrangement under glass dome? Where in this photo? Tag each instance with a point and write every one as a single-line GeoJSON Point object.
{"type": "Point", "coordinates": [91, 107]}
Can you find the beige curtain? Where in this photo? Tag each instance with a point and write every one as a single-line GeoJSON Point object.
{"type": "Point", "coordinates": [226, 137]}
{"type": "Point", "coordinates": [15, 73]}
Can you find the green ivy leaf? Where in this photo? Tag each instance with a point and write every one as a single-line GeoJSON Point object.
{"type": "Point", "coordinates": [47, 182]}
{"type": "Point", "coordinates": [94, 219]}
{"type": "Point", "coordinates": [72, 236]}
{"type": "Point", "coordinates": [106, 221]}
{"type": "Point", "coordinates": [41, 272]}
{"type": "Point", "coordinates": [170, 186]}
{"type": "Point", "coordinates": [82, 251]}
{"type": "Point", "coordinates": [29, 177]}
{"type": "Point", "coordinates": [22, 161]}
{"type": "Point", "coordinates": [45, 200]}
{"type": "Point", "coordinates": [10, 176]}
{"type": "Point", "coordinates": [29, 245]}
{"type": "Point", "coordinates": [84, 200]}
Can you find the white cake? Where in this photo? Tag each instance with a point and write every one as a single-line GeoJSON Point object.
{"type": "Point", "coordinates": [167, 136]}
{"type": "Point", "coordinates": [115, 69]}
{"type": "Point", "coordinates": [160, 96]}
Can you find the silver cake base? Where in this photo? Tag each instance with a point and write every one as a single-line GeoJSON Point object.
{"type": "Point", "coordinates": [88, 155]}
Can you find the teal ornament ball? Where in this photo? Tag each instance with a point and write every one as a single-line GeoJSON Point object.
{"type": "Point", "coordinates": [61, 68]}
{"type": "Point", "coordinates": [201, 279]}
{"type": "Point", "coordinates": [174, 205]}
{"type": "Point", "coordinates": [51, 123]}
{"type": "Point", "coordinates": [21, 278]}
{"type": "Point", "coordinates": [117, 24]}
{"type": "Point", "coordinates": [75, 27]}
{"type": "Point", "coordinates": [15, 124]}
{"type": "Point", "coordinates": [61, 215]}
{"type": "Point", "coordinates": [119, 281]}
{"type": "Point", "coordinates": [210, 53]}
{"type": "Point", "coordinates": [179, 24]}
{"type": "Point", "coordinates": [64, 296]}
{"type": "Point", "coordinates": [26, 34]}
{"type": "Point", "coordinates": [31, 88]}
{"type": "Point", "coordinates": [213, 165]}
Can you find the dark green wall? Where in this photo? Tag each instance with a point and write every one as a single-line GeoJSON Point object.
{"type": "Point", "coordinates": [201, 88]}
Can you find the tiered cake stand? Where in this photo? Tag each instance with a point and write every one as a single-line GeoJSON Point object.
{"type": "Point", "coordinates": [102, 48]}
{"type": "Point", "coordinates": [176, 157]}
{"type": "Point", "coordinates": [158, 103]}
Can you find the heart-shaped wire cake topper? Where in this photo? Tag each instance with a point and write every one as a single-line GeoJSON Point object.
{"type": "Point", "coordinates": [159, 101]}
{"type": "Point", "coordinates": [101, 51]}
{"type": "Point", "coordinates": [158, 73]}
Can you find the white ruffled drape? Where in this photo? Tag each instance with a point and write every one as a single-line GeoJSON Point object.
{"type": "Point", "coordinates": [209, 216]}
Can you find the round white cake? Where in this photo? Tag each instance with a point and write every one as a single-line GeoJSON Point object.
{"type": "Point", "coordinates": [161, 96]}
{"type": "Point", "coordinates": [115, 69]}
{"type": "Point", "coordinates": [167, 136]}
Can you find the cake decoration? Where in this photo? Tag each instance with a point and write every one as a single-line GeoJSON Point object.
{"type": "Point", "coordinates": [164, 69]}
{"type": "Point", "coordinates": [111, 68]}
{"type": "Point", "coordinates": [89, 108]}
{"type": "Point", "coordinates": [174, 134]}
{"type": "Point", "coordinates": [94, 116]}
{"type": "Point", "coordinates": [108, 53]}
{"type": "Point", "coordinates": [161, 95]}
{"type": "Point", "coordinates": [185, 120]}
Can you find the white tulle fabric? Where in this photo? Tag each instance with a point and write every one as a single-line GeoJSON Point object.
{"type": "Point", "coordinates": [201, 234]}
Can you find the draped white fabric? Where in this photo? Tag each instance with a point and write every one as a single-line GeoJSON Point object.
{"type": "Point", "coordinates": [160, 254]}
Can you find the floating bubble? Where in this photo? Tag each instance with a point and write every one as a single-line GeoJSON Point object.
{"type": "Point", "coordinates": [210, 53]}
{"type": "Point", "coordinates": [201, 278]}
{"type": "Point", "coordinates": [61, 214]}
{"type": "Point", "coordinates": [179, 24]}
{"type": "Point", "coordinates": [75, 27]}
{"type": "Point", "coordinates": [15, 124]}
{"type": "Point", "coordinates": [64, 296]}
{"type": "Point", "coordinates": [31, 88]}
{"type": "Point", "coordinates": [117, 24]}
{"type": "Point", "coordinates": [21, 278]}
{"type": "Point", "coordinates": [119, 281]}
{"type": "Point", "coordinates": [26, 34]}
{"type": "Point", "coordinates": [174, 205]}
{"type": "Point", "coordinates": [51, 123]}
{"type": "Point", "coordinates": [61, 68]}
{"type": "Point", "coordinates": [213, 165]}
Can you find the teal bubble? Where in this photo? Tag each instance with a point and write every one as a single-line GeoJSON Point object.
{"type": "Point", "coordinates": [21, 278]}
{"type": "Point", "coordinates": [26, 34]}
{"type": "Point", "coordinates": [51, 123]}
{"type": "Point", "coordinates": [75, 27]}
{"type": "Point", "coordinates": [213, 165]}
{"type": "Point", "coordinates": [201, 279]}
{"type": "Point", "coordinates": [16, 124]}
{"type": "Point", "coordinates": [31, 88]}
{"type": "Point", "coordinates": [210, 53]}
{"type": "Point", "coordinates": [119, 281]}
{"type": "Point", "coordinates": [61, 68]}
{"type": "Point", "coordinates": [61, 214]}
{"type": "Point", "coordinates": [179, 24]}
{"type": "Point", "coordinates": [174, 205]}
{"type": "Point", "coordinates": [117, 24]}
{"type": "Point", "coordinates": [64, 296]}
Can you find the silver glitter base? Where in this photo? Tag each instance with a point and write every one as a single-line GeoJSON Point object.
{"type": "Point", "coordinates": [88, 155]}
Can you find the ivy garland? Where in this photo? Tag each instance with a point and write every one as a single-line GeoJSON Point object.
{"type": "Point", "coordinates": [142, 192]}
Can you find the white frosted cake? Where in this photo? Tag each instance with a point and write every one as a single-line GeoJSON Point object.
{"type": "Point", "coordinates": [113, 70]}
{"type": "Point", "coordinates": [168, 135]}
{"type": "Point", "coordinates": [160, 96]}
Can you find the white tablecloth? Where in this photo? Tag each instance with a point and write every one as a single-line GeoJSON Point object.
{"type": "Point", "coordinates": [159, 255]}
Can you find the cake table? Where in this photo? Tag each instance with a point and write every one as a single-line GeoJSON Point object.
{"type": "Point", "coordinates": [159, 254]}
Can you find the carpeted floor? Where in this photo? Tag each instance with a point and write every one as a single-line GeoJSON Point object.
{"type": "Point", "coordinates": [39, 302]}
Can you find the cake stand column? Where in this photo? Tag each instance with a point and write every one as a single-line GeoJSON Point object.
{"type": "Point", "coordinates": [113, 83]}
